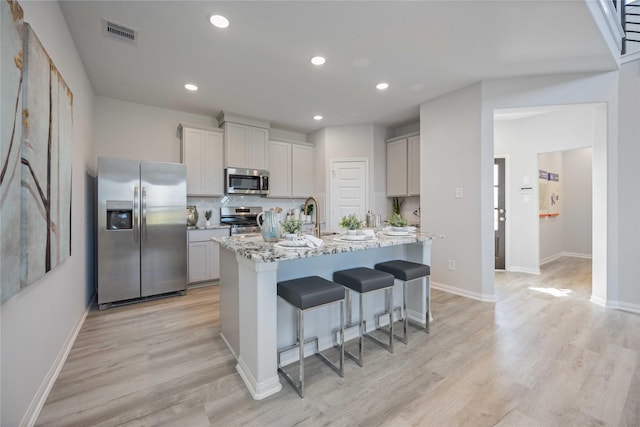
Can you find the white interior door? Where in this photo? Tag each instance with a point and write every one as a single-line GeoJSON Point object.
{"type": "Point", "coordinates": [348, 190]}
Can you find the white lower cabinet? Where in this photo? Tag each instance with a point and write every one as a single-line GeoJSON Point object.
{"type": "Point", "coordinates": [204, 254]}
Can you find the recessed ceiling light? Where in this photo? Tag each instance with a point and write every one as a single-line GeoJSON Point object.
{"type": "Point", "coordinates": [219, 21]}
{"type": "Point", "coordinates": [382, 86]}
{"type": "Point", "coordinates": [318, 60]}
{"type": "Point", "coordinates": [317, 117]}
{"type": "Point", "coordinates": [191, 87]}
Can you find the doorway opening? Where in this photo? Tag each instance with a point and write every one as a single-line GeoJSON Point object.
{"type": "Point", "coordinates": [521, 135]}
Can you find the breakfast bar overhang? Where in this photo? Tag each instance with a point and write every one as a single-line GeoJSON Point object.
{"type": "Point", "coordinates": [254, 323]}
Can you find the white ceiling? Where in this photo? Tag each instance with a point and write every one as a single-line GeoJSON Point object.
{"type": "Point", "coordinates": [260, 67]}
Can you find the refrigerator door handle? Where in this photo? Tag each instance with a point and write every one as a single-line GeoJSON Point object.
{"type": "Point", "coordinates": [135, 214]}
{"type": "Point", "coordinates": [144, 214]}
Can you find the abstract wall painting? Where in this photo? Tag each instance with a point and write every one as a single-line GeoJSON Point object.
{"type": "Point", "coordinates": [11, 58]}
{"type": "Point", "coordinates": [549, 189]}
{"type": "Point", "coordinates": [43, 168]}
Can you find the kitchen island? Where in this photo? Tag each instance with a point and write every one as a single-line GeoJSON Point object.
{"type": "Point", "coordinates": [255, 323]}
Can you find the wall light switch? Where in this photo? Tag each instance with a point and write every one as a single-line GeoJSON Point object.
{"type": "Point", "coordinates": [459, 192]}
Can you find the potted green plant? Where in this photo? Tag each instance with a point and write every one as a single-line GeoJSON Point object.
{"type": "Point", "coordinates": [307, 213]}
{"type": "Point", "coordinates": [396, 205]}
{"type": "Point", "coordinates": [291, 228]}
{"type": "Point", "coordinates": [207, 215]}
{"type": "Point", "coordinates": [351, 223]}
{"type": "Point", "coordinates": [398, 222]}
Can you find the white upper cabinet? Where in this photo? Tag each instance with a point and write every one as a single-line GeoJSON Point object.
{"type": "Point", "coordinates": [302, 170]}
{"type": "Point", "coordinates": [291, 169]}
{"type": "Point", "coordinates": [279, 169]}
{"type": "Point", "coordinates": [202, 153]}
{"type": "Point", "coordinates": [245, 141]}
{"type": "Point", "coordinates": [403, 166]}
{"type": "Point", "coordinates": [413, 166]}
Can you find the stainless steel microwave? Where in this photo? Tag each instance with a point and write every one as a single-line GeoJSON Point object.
{"type": "Point", "coordinates": [246, 181]}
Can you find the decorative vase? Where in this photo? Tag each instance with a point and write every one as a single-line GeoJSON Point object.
{"type": "Point", "coordinates": [268, 226]}
{"type": "Point", "coordinates": [352, 232]}
{"type": "Point", "coordinates": [207, 224]}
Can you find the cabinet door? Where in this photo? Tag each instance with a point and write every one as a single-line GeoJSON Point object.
{"type": "Point", "coordinates": [397, 168]}
{"type": "Point", "coordinates": [213, 176]}
{"type": "Point", "coordinates": [279, 169]}
{"type": "Point", "coordinates": [192, 149]}
{"type": "Point", "coordinates": [199, 261]}
{"type": "Point", "coordinates": [257, 147]}
{"type": "Point", "coordinates": [413, 166]}
{"type": "Point", "coordinates": [236, 145]}
{"type": "Point", "coordinates": [302, 170]}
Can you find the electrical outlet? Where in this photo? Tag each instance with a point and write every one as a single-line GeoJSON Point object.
{"type": "Point", "coordinates": [459, 192]}
{"type": "Point", "coordinates": [452, 265]}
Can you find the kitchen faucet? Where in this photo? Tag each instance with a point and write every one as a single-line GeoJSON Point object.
{"type": "Point", "coordinates": [316, 227]}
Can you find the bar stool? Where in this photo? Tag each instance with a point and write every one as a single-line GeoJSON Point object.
{"type": "Point", "coordinates": [305, 294]}
{"type": "Point", "coordinates": [362, 281]}
{"type": "Point", "coordinates": [407, 271]}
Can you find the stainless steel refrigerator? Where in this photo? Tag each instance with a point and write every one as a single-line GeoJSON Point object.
{"type": "Point", "coordinates": [142, 244]}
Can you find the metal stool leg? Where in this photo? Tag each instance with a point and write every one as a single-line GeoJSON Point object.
{"type": "Point", "coordinates": [389, 310]}
{"type": "Point", "coordinates": [427, 292]}
{"type": "Point", "coordinates": [301, 347]}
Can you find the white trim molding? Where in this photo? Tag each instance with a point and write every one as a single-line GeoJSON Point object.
{"type": "Point", "coordinates": [516, 269]}
{"type": "Point", "coordinates": [564, 254]}
{"type": "Point", "coordinates": [624, 306]}
{"type": "Point", "coordinates": [463, 292]}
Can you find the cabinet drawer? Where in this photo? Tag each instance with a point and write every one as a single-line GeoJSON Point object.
{"type": "Point", "coordinates": [206, 235]}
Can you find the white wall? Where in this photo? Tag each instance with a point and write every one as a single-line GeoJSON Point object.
{"type": "Point", "coordinates": [140, 132]}
{"type": "Point", "coordinates": [562, 90]}
{"type": "Point", "coordinates": [403, 130]}
{"type": "Point", "coordinates": [360, 142]}
{"type": "Point", "coordinates": [628, 173]}
{"type": "Point", "coordinates": [560, 128]}
{"type": "Point", "coordinates": [39, 321]}
{"type": "Point", "coordinates": [450, 157]}
{"type": "Point", "coordinates": [577, 203]}
{"type": "Point", "coordinates": [457, 143]}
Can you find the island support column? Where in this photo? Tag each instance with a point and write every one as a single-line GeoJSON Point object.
{"type": "Point", "coordinates": [257, 359]}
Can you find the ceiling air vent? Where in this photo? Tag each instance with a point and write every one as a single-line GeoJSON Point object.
{"type": "Point", "coordinates": [120, 32]}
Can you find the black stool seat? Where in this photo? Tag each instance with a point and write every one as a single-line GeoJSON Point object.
{"type": "Point", "coordinates": [362, 279]}
{"type": "Point", "coordinates": [311, 291]}
{"type": "Point", "coordinates": [404, 270]}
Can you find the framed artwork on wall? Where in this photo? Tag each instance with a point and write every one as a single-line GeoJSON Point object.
{"type": "Point", "coordinates": [35, 174]}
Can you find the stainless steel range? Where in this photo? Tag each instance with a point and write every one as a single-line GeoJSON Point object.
{"type": "Point", "coordinates": [242, 219]}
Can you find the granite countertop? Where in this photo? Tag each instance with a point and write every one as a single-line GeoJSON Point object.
{"type": "Point", "coordinates": [213, 227]}
{"type": "Point", "coordinates": [259, 251]}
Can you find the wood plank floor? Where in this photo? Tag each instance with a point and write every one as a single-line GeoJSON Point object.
{"type": "Point", "coordinates": [543, 355]}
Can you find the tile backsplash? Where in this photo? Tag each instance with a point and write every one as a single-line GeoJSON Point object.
{"type": "Point", "coordinates": [214, 204]}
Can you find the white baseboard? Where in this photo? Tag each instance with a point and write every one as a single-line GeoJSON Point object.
{"type": "Point", "coordinates": [564, 254]}
{"type": "Point", "coordinates": [516, 269]}
{"type": "Point", "coordinates": [463, 292]}
{"type": "Point", "coordinates": [598, 301]}
{"type": "Point", "coordinates": [33, 411]}
{"type": "Point", "coordinates": [625, 306]}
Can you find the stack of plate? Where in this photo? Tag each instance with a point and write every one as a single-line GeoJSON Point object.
{"type": "Point", "coordinates": [398, 231]}
{"type": "Point", "coordinates": [358, 238]}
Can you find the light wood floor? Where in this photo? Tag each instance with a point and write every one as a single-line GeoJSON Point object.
{"type": "Point", "coordinates": [532, 359]}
